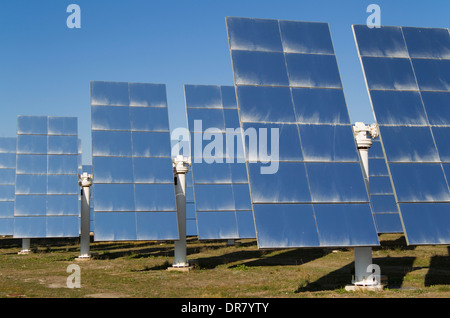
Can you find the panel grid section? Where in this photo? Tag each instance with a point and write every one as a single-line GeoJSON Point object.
{"type": "Point", "coordinates": [191, 219]}
{"type": "Point", "coordinates": [7, 184]}
{"type": "Point", "coordinates": [131, 162]}
{"type": "Point", "coordinates": [305, 174]}
{"type": "Point", "coordinates": [382, 199]}
{"type": "Point", "coordinates": [46, 185]}
{"type": "Point", "coordinates": [220, 181]}
{"type": "Point", "coordinates": [407, 73]}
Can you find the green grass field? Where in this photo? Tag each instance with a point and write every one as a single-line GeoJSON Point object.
{"type": "Point", "coordinates": [139, 270]}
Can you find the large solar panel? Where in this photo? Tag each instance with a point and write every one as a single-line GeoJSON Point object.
{"type": "Point", "coordinates": [7, 184]}
{"type": "Point", "coordinates": [287, 81]}
{"type": "Point", "coordinates": [46, 187]}
{"type": "Point", "coordinates": [221, 191]}
{"type": "Point", "coordinates": [382, 199]}
{"type": "Point", "coordinates": [407, 72]}
{"type": "Point", "coordinates": [132, 165]}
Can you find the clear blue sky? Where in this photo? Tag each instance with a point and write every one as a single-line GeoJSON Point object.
{"type": "Point", "coordinates": [45, 67]}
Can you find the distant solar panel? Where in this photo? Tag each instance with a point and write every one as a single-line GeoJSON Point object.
{"type": "Point", "coordinates": [132, 165]}
{"type": "Point", "coordinates": [221, 191]}
{"type": "Point", "coordinates": [287, 81]}
{"type": "Point", "coordinates": [382, 199]}
{"type": "Point", "coordinates": [407, 75]}
{"type": "Point", "coordinates": [191, 219]}
{"type": "Point", "coordinates": [7, 184]}
{"type": "Point", "coordinates": [46, 187]}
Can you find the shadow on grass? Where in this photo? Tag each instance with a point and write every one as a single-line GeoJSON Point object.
{"type": "Point", "coordinates": [394, 268]}
{"type": "Point", "coordinates": [290, 257]}
{"type": "Point", "coordinates": [395, 244]}
{"type": "Point", "coordinates": [113, 250]}
{"type": "Point", "coordinates": [135, 253]}
{"type": "Point", "coordinates": [439, 271]}
{"type": "Point", "coordinates": [8, 242]}
{"type": "Point", "coordinates": [262, 258]}
{"type": "Point", "coordinates": [160, 267]}
{"type": "Point", "coordinates": [42, 245]}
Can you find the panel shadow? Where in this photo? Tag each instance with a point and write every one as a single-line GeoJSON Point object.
{"type": "Point", "coordinates": [395, 269]}
{"type": "Point", "coordinates": [262, 257]}
{"type": "Point", "coordinates": [439, 271]}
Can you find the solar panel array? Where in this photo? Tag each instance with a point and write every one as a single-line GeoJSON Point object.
{"type": "Point", "coordinates": [46, 187]}
{"type": "Point", "coordinates": [287, 78]}
{"type": "Point", "coordinates": [220, 181]}
{"type": "Point", "coordinates": [407, 72]}
{"type": "Point", "coordinates": [382, 199]}
{"type": "Point", "coordinates": [131, 161]}
{"type": "Point", "coordinates": [275, 154]}
{"type": "Point", "coordinates": [7, 184]}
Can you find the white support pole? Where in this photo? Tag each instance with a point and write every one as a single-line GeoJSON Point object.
{"type": "Point", "coordinates": [85, 182]}
{"type": "Point", "coordinates": [26, 246]}
{"type": "Point", "coordinates": [180, 168]}
{"type": "Point", "coordinates": [363, 255]}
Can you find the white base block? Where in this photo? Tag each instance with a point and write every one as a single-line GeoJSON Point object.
{"type": "Point", "coordinates": [181, 268]}
{"type": "Point", "coordinates": [363, 288]}
{"type": "Point", "coordinates": [190, 265]}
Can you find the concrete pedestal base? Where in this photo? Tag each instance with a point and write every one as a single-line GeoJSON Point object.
{"type": "Point", "coordinates": [188, 267]}
{"type": "Point", "coordinates": [378, 287]}
{"type": "Point", "coordinates": [180, 268]}
{"type": "Point", "coordinates": [363, 288]}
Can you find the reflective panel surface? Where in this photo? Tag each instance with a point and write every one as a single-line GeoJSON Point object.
{"type": "Point", "coordinates": [328, 143]}
{"type": "Point", "coordinates": [334, 222]}
{"type": "Point", "coordinates": [265, 104]}
{"type": "Point", "coordinates": [427, 223]}
{"type": "Point", "coordinates": [285, 225]}
{"type": "Point", "coordinates": [417, 182]}
{"type": "Point", "coordinates": [259, 68]}
{"type": "Point", "coordinates": [380, 42]}
{"type": "Point", "coordinates": [313, 70]}
{"type": "Point", "coordinates": [220, 186]}
{"type": "Point", "coordinates": [388, 222]}
{"type": "Point", "coordinates": [306, 37]}
{"type": "Point", "coordinates": [398, 107]}
{"type": "Point", "coordinates": [267, 142]}
{"type": "Point", "coordinates": [191, 218]}
{"type": "Point", "coordinates": [409, 144]}
{"type": "Point", "coordinates": [7, 184]}
{"type": "Point", "coordinates": [46, 187]}
{"type": "Point", "coordinates": [432, 74]}
{"type": "Point", "coordinates": [336, 182]}
{"type": "Point", "coordinates": [427, 42]}
{"type": "Point", "coordinates": [320, 106]}
{"type": "Point", "coordinates": [436, 106]}
{"type": "Point", "coordinates": [131, 161]}
{"type": "Point", "coordinates": [382, 199]}
{"type": "Point", "coordinates": [299, 143]}
{"type": "Point", "coordinates": [288, 185]}
{"type": "Point", "coordinates": [389, 73]}
{"type": "Point", "coordinates": [410, 100]}
{"type": "Point", "coordinates": [254, 34]}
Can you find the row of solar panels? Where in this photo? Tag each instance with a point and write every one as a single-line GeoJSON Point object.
{"type": "Point", "coordinates": [224, 209]}
{"type": "Point", "coordinates": [288, 90]}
